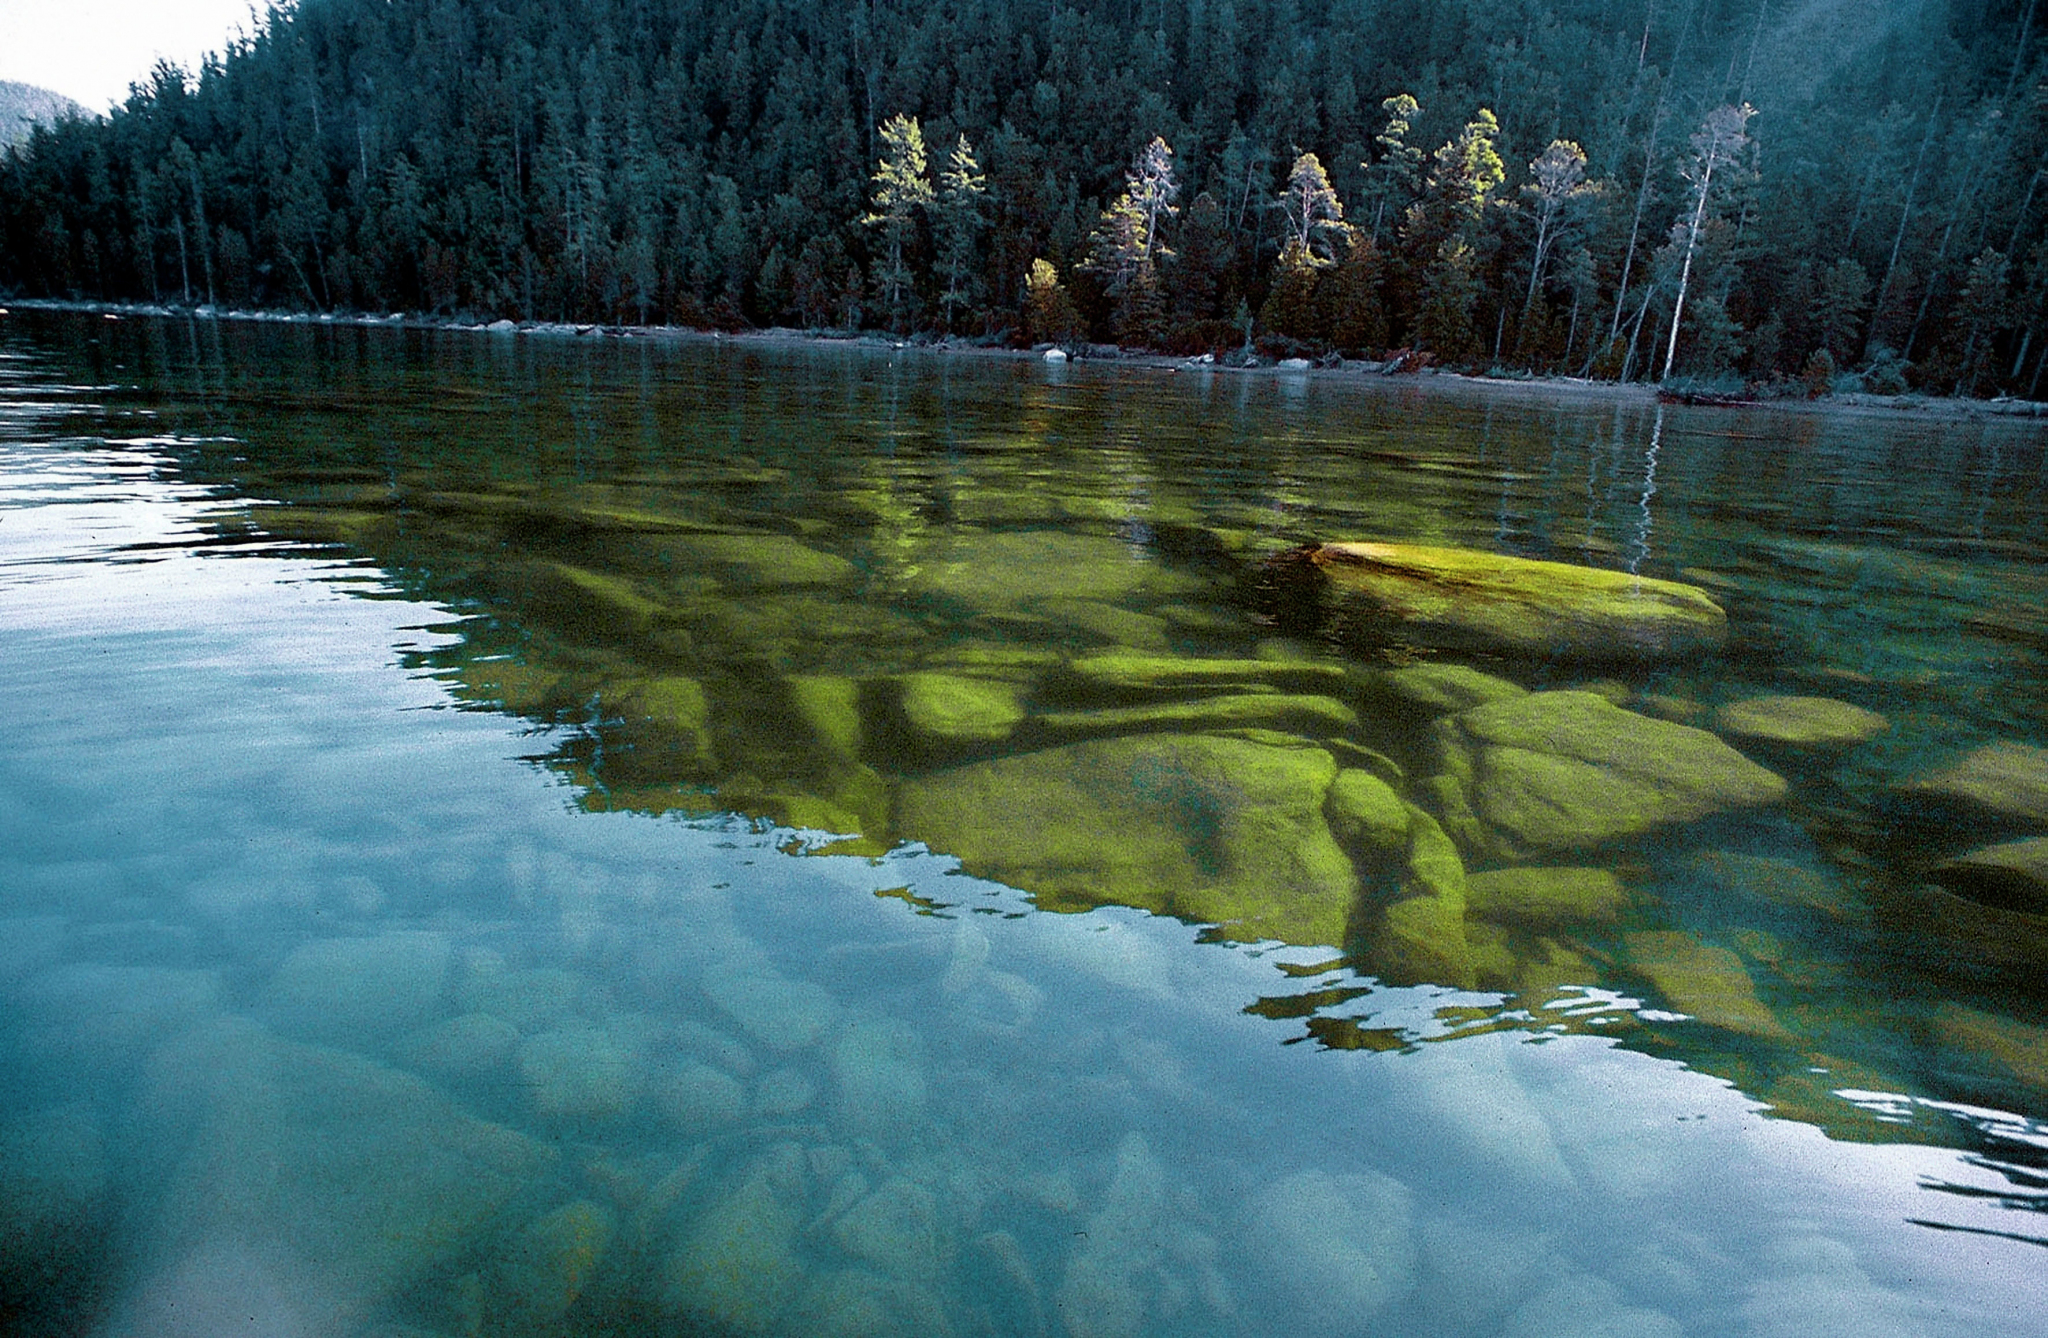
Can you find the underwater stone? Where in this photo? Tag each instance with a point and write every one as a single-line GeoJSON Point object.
{"type": "Point", "coordinates": [854, 1303]}
{"type": "Point", "coordinates": [1366, 814]}
{"type": "Point", "coordinates": [1582, 1306]}
{"type": "Point", "coordinates": [1213, 829]}
{"type": "Point", "coordinates": [1546, 898]}
{"type": "Point", "coordinates": [949, 709]}
{"type": "Point", "coordinates": [1127, 673]}
{"type": "Point", "coordinates": [2005, 782]}
{"type": "Point", "coordinates": [737, 1266]}
{"type": "Point", "coordinates": [780, 1013]}
{"type": "Point", "coordinates": [2016, 1047]}
{"type": "Point", "coordinates": [54, 1178]}
{"type": "Point", "coordinates": [783, 1092]}
{"type": "Point", "coordinates": [1007, 571]}
{"type": "Point", "coordinates": [1468, 600]}
{"type": "Point", "coordinates": [697, 1096]}
{"type": "Point", "coordinates": [1104, 622]}
{"type": "Point", "coordinates": [579, 1073]}
{"type": "Point", "coordinates": [364, 1177]}
{"type": "Point", "coordinates": [1776, 880]}
{"type": "Point", "coordinates": [1438, 689]}
{"type": "Point", "coordinates": [530, 999]}
{"type": "Point", "coordinates": [1565, 770]}
{"type": "Point", "coordinates": [895, 1229]}
{"type": "Point", "coordinates": [1106, 1292]}
{"type": "Point", "coordinates": [830, 707]}
{"type": "Point", "coordinates": [1291, 712]}
{"type": "Point", "coordinates": [878, 1071]}
{"type": "Point", "coordinates": [1706, 981]}
{"type": "Point", "coordinates": [362, 987]}
{"type": "Point", "coordinates": [1420, 935]}
{"type": "Point", "coordinates": [1819, 723]}
{"type": "Point", "coordinates": [2012, 876]}
{"type": "Point", "coordinates": [104, 1016]}
{"type": "Point", "coordinates": [1338, 1248]}
{"type": "Point", "coordinates": [459, 1049]}
{"type": "Point", "coordinates": [540, 1276]}
{"type": "Point", "coordinates": [763, 560]}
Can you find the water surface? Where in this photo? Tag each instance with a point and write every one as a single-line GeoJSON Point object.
{"type": "Point", "coordinates": [481, 829]}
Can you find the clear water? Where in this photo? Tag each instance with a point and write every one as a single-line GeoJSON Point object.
{"type": "Point", "coordinates": [386, 951]}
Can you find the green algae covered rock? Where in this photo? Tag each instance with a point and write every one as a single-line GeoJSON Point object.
{"type": "Point", "coordinates": [1223, 830]}
{"type": "Point", "coordinates": [758, 560]}
{"type": "Point", "coordinates": [1569, 770]}
{"type": "Point", "coordinates": [1284, 711]}
{"type": "Point", "coordinates": [2005, 782]}
{"type": "Point", "coordinates": [1420, 935]}
{"type": "Point", "coordinates": [1470, 600]}
{"type": "Point", "coordinates": [1546, 898]}
{"type": "Point", "coordinates": [1707, 981]}
{"type": "Point", "coordinates": [1007, 571]}
{"type": "Point", "coordinates": [1438, 689]}
{"type": "Point", "coordinates": [952, 709]}
{"type": "Point", "coordinates": [1126, 673]}
{"type": "Point", "coordinates": [1367, 814]}
{"type": "Point", "coordinates": [2012, 876]}
{"type": "Point", "coordinates": [546, 1267]}
{"type": "Point", "coordinates": [1821, 724]}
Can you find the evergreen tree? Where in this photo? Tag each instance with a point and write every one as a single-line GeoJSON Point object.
{"type": "Point", "coordinates": [963, 190]}
{"type": "Point", "coordinates": [900, 190]}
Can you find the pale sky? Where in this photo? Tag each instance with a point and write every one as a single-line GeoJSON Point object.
{"type": "Point", "coordinates": [91, 50]}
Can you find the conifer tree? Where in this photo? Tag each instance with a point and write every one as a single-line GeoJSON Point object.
{"type": "Point", "coordinates": [900, 190]}
{"type": "Point", "coordinates": [962, 192]}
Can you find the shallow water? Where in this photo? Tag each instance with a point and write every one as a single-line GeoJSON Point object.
{"type": "Point", "coordinates": [475, 859]}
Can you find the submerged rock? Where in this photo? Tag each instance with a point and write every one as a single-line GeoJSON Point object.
{"type": "Point", "coordinates": [1215, 829]}
{"type": "Point", "coordinates": [579, 1073]}
{"type": "Point", "coordinates": [1818, 723]}
{"type": "Point", "coordinates": [1367, 814]}
{"type": "Point", "coordinates": [538, 1279]}
{"type": "Point", "coordinates": [2015, 1047]}
{"type": "Point", "coordinates": [1546, 898]}
{"type": "Point", "coordinates": [1470, 600]}
{"type": "Point", "coordinates": [949, 710]}
{"type": "Point", "coordinates": [1284, 711]}
{"type": "Point", "coordinates": [2004, 782]}
{"type": "Point", "coordinates": [780, 1013]}
{"type": "Point", "coordinates": [737, 1267]}
{"type": "Point", "coordinates": [1706, 981]}
{"type": "Point", "coordinates": [1568, 770]}
{"type": "Point", "coordinates": [1336, 1248]}
{"type": "Point", "coordinates": [1419, 937]}
{"type": "Point", "coordinates": [1437, 689]}
{"type": "Point", "coordinates": [355, 1178]}
{"type": "Point", "coordinates": [361, 988]}
{"type": "Point", "coordinates": [757, 560]}
{"type": "Point", "coordinates": [1125, 673]}
{"type": "Point", "coordinates": [1007, 571]}
{"type": "Point", "coordinates": [2012, 876]}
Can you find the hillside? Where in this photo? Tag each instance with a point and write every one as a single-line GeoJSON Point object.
{"type": "Point", "coordinates": [1742, 189]}
{"type": "Point", "coordinates": [23, 106]}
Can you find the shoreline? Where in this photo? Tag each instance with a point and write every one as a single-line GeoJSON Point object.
{"type": "Point", "coordinates": [1367, 375]}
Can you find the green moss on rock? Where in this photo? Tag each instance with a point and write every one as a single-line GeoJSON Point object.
{"type": "Point", "coordinates": [1570, 770]}
{"type": "Point", "coordinates": [1292, 712]}
{"type": "Point", "coordinates": [1546, 898]}
{"type": "Point", "coordinates": [952, 709]}
{"type": "Point", "coordinates": [1221, 830]}
{"type": "Point", "coordinates": [1471, 600]}
{"type": "Point", "coordinates": [1818, 723]}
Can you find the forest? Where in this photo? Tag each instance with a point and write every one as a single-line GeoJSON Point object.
{"type": "Point", "coordinates": [1799, 194]}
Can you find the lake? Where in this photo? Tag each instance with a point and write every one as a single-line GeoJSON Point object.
{"type": "Point", "coordinates": [548, 835]}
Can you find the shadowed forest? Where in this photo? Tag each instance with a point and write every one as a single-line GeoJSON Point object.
{"type": "Point", "coordinates": [1807, 194]}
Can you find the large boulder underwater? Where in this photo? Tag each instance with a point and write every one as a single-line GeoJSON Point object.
{"type": "Point", "coordinates": [1470, 600]}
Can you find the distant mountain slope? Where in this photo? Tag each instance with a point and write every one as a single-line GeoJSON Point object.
{"type": "Point", "coordinates": [23, 105]}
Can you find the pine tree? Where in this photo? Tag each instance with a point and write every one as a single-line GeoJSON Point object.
{"type": "Point", "coordinates": [962, 193]}
{"type": "Point", "coordinates": [900, 190]}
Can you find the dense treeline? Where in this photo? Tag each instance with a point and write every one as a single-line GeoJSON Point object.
{"type": "Point", "coordinates": [1769, 189]}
